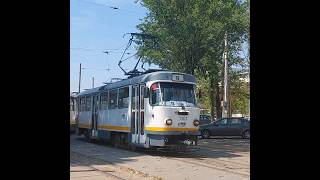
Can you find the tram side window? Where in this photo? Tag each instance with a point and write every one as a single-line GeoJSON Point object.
{"type": "Point", "coordinates": [71, 104]}
{"type": "Point", "coordinates": [79, 105]}
{"type": "Point", "coordinates": [82, 104]}
{"type": "Point", "coordinates": [113, 99]}
{"type": "Point", "coordinates": [142, 97]}
{"type": "Point", "coordinates": [155, 94]}
{"type": "Point", "coordinates": [104, 100]}
{"type": "Point", "coordinates": [88, 104]}
{"type": "Point", "coordinates": [123, 98]}
{"type": "Point", "coordinates": [133, 100]}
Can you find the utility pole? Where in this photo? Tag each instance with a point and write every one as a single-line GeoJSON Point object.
{"type": "Point", "coordinates": [225, 104]}
{"type": "Point", "coordinates": [249, 73]}
{"type": "Point", "coordinates": [79, 77]}
{"type": "Point", "coordinates": [108, 69]}
{"type": "Point", "coordinates": [92, 82]}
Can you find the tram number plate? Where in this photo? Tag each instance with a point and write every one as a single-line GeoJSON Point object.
{"type": "Point", "coordinates": [181, 124]}
{"type": "Point", "coordinates": [183, 118]}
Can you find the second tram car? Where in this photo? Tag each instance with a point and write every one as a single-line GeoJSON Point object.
{"type": "Point", "coordinates": [73, 112]}
{"type": "Point", "coordinates": [155, 109]}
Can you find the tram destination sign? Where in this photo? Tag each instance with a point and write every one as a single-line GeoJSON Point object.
{"type": "Point", "coordinates": [177, 77]}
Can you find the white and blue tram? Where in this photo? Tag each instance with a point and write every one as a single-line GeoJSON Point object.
{"type": "Point", "coordinates": [156, 109]}
{"type": "Point", "coordinates": [73, 107]}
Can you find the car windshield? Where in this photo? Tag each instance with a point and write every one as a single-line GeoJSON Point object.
{"type": "Point", "coordinates": [172, 94]}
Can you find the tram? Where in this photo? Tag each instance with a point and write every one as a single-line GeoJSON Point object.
{"type": "Point", "coordinates": [156, 109]}
{"type": "Point", "coordinates": [73, 112]}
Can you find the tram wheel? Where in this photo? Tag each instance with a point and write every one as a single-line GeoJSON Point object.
{"type": "Point", "coordinates": [87, 135]}
{"type": "Point", "coordinates": [246, 134]}
{"type": "Point", "coordinates": [205, 134]}
{"type": "Point", "coordinates": [116, 142]}
{"type": "Point", "coordinates": [133, 147]}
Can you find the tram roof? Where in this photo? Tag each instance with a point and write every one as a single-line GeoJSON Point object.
{"type": "Point", "coordinates": [73, 94]}
{"type": "Point", "coordinates": [153, 76]}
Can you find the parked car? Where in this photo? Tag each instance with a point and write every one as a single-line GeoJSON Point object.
{"type": "Point", "coordinates": [227, 127]}
{"type": "Point", "coordinates": [205, 119]}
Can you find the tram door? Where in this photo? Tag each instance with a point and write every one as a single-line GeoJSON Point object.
{"type": "Point", "coordinates": [95, 111]}
{"type": "Point", "coordinates": [137, 114]}
{"type": "Point", "coordinates": [142, 136]}
{"type": "Point", "coordinates": [134, 114]}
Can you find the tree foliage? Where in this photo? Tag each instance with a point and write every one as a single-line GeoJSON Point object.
{"type": "Point", "coordinates": [191, 38]}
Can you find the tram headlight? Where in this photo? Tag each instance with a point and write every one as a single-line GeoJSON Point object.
{"type": "Point", "coordinates": [169, 122]}
{"type": "Point", "coordinates": [196, 122]}
{"type": "Point", "coordinates": [166, 140]}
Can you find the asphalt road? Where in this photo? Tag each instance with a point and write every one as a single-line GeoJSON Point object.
{"type": "Point", "coordinates": [215, 158]}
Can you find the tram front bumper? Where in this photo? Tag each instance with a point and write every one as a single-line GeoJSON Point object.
{"type": "Point", "coordinates": [172, 140]}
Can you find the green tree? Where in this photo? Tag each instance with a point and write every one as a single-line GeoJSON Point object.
{"type": "Point", "coordinates": [239, 91]}
{"type": "Point", "coordinates": [191, 39]}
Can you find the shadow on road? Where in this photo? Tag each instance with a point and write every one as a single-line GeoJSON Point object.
{"type": "Point", "coordinates": [101, 152]}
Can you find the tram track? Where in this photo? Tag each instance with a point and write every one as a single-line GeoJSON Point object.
{"type": "Point", "coordinates": [94, 169]}
{"type": "Point", "coordinates": [244, 149]}
{"type": "Point", "coordinates": [226, 166]}
{"type": "Point", "coordinates": [211, 166]}
{"type": "Point", "coordinates": [225, 161]}
{"type": "Point", "coordinates": [200, 153]}
{"type": "Point", "coordinates": [199, 158]}
{"type": "Point", "coordinates": [203, 153]}
{"type": "Point", "coordinates": [108, 172]}
{"type": "Point", "coordinates": [205, 157]}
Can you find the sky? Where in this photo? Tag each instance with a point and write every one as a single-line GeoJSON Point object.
{"type": "Point", "coordinates": [95, 27]}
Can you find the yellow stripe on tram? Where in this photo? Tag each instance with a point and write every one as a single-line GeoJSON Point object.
{"type": "Point", "coordinates": [108, 127]}
{"type": "Point", "coordinates": [84, 125]}
{"type": "Point", "coordinates": [169, 129]}
{"type": "Point", "coordinates": [126, 128]}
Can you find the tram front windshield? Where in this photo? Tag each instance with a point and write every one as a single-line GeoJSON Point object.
{"type": "Point", "coordinates": [172, 94]}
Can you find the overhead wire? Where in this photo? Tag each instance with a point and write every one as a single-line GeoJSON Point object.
{"type": "Point", "coordinates": [110, 6]}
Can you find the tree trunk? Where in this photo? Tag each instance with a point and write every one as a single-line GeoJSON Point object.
{"type": "Point", "coordinates": [218, 100]}
{"type": "Point", "coordinates": [215, 101]}
{"type": "Point", "coordinates": [229, 102]}
{"type": "Point", "coordinates": [212, 97]}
